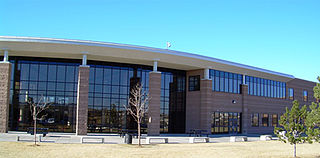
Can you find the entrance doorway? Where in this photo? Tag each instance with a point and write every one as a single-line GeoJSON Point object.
{"type": "Point", "coordinates": [226, 122]}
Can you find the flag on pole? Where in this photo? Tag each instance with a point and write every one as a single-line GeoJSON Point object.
{"type": "Point", "coordinates": [168, 45]}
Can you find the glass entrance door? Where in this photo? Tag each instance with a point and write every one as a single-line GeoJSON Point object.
{"type": "Point", "coordinates": [233, 123]}
{"type": "Point", "coordinates": [225, 122]}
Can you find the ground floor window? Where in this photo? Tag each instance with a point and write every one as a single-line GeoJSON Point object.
{"type": "Point", "coordinates": [226, 122]}
{"type": "Point", "coordinates": [274, 120]}
{"type": "Point", "coordinates": [265, 120]}
{"type": "Point", "coordinates": [255, 120]}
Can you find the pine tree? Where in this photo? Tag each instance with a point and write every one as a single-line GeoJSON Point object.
{"type": "Point", "coordinates": [298, 121]}
{"type": "Point", "coordinates": [313, 123]}
{"type": "Point", "coordinates": [292, 122]}
{"type": "Point", "coordinates": [313, 118]}
{"type": "Point", "coordinates": [316, 91]}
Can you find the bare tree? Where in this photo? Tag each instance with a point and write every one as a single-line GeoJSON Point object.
{"type": "Point", "coordinates": [138, 106]}
{"type": "Point", "coordinates": [36, 109]}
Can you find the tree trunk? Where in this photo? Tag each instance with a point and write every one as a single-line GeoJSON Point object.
{"type": "Point", "coordinates": [294, 150]}
{"type": "Point", "coordinates": [139, 138]}
{"type": "Point", "coordinates": [35, 125]}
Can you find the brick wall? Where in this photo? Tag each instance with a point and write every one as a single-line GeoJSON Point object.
{"type": "Point", "coordinates": [192, 103]}
{"type": "Point", "coordinates": [201, 104]}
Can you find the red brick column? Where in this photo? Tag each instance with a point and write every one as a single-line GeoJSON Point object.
{"type": "Point", "coordinates": [82, 100]}
{"type": "Point", "coordinates": [5, 76]}
{"type": "Point", "coordinates": [245, 111]}
{"type": "Point", "coordinates": [205, 113]}
{"type": "Point", "coordinates": [154, 103]}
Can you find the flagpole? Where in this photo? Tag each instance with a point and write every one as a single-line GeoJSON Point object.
{"type": "Point", "coordinates": [168, 45]}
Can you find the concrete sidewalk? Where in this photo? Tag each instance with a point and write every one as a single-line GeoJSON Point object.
{"type": "Point", "coordinates": [109, 138]}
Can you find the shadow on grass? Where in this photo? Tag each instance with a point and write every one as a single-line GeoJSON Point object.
{"type": "Point", "coordinates": [34, 145]}
{"type": "Point", "coordinates": [137, 146]}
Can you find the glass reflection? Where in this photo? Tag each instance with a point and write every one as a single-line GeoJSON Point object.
{"type": "Point", "coordinates": [40, 80]}
{"type": "Point", "coordinates": [225, 81]}
{"type": "Point", "coordinates": [225, 122]}
{"type": "Point", "coordinates": [109, 87]}
{"type": "Point", "coordinates": [265, 87]}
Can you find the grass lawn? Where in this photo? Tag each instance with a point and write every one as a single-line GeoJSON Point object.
{"type": "Point", "coordinates": [230, 150]}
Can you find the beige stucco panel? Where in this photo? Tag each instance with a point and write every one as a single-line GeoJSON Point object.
{"type": "Point", "coordinates": [132, 56]}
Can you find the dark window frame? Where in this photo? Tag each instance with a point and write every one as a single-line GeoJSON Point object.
{"type": "Point", "coordinates": [305, 95]}
{"type": "Point", "coordinates": [255, 120]}
{"type": "Point", "coordinates": [99, 99]}
{"type": "Point", "coordinates": [291, 93]}
{"type": "Point", "coordinates": [265, 88]}
{"type": "Point", "coordinates": [194, 83]}
{"type": "Point", "coordinates": [265, 120]}
{"type": "Point", "coordinates": [275, 120]}
{"type": "Point", "coordinates": [225, 81]}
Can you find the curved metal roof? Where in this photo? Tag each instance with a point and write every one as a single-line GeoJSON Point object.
{"type": "Point", "coordinates": [51, 47]}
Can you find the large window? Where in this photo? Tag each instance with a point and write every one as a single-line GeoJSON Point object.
{"type": "Point", "coordinates": [225, 122]}
{"type": "Point", "coordinates": [109, 90]}
{"type": "Point", "coordinates": [172, 103]}
{"type": "Point", "coordinates": [109, 87]}
{"type": "Point", "coordinates": [266, 88]}
{"type": "Point", "coordinates": [274, 120]}
{"type": "Point", "coordinates": [305, 95]}
{"type": "Point", "coordinates": [255, 120]}
{"type": "Point", "coordinates": [225, 81]}
{"type": "Point", "coordinates": [194, 83]}
{"type": "Point", "coordinates": [265, 120]}
{"type": "Point", "coordinates": [55, 82]}
{"type": "Point", "coordinates": [291, 94]}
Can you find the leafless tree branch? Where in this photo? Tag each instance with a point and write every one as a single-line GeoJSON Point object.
{"type": "Point", "coordinates": [138, 105]}
{"type": "Point", "coordinates": [36, 109]}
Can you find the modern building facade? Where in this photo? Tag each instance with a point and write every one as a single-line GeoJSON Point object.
{"type": "Point", "coordinates": [88, 83]}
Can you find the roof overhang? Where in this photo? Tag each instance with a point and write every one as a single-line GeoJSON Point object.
{"type": "Point", "coordinates": [122, 53]}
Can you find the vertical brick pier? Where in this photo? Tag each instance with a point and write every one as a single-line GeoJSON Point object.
{"type": "Point", "coordinates": [82, 100]}
{"type": "Point", "coordinates": [245, 113]}
{"type": "Point", "coordinates": [154, 103]}
{"type": "Point", "coordinates": [5, 76]}
{"type": "Point", "coordinates": [205, 103]}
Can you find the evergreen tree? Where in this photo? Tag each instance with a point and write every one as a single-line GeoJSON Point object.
{"type": "Point", "coordinates": [313, 119]}
{"type": "Point", "coordinates": [313, 123]}
{"type": "Point", "coordinates": [292, 122]}
{"type": "Point", "coordinates": [316, 91]}
{"type": "Point", "coordinates": [298, 122]}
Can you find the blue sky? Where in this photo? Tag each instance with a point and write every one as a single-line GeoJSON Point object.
{"type": "Point", "coordinates": [279, 35]}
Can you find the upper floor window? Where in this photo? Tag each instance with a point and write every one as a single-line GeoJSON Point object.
{"type": "Point", "coordinates": [225, 81]}
{"type": "Point", "coordinates": [305, 95]}
{"type": "Point", "coordinates": [266, 88]}
{"type": "Point", "coordinates": [291, 92]}
{"type": "Point", "coordinates": [194, 83]}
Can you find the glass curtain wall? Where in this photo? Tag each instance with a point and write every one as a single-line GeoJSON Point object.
{"type": "Point", "coordinates": [52, 82]}
{"type": "Point", "coordinates": [109, 90]}
{"type": "Point", "coordinates": [109, 87]}
{"type": "Point", "coordinates": [172, 103]}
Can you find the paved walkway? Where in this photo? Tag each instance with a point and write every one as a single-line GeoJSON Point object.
{"type": "Point", "coordinates": [55, 137]}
